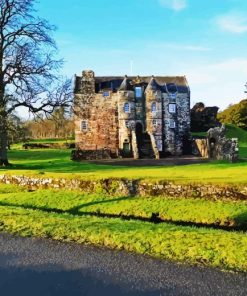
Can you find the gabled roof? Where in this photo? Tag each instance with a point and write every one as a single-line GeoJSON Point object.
{"type": "Point", "coordinates": [127, 83]}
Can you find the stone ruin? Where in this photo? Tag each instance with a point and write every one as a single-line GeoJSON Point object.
{"type": "Point", "coordinates": [216, 146]}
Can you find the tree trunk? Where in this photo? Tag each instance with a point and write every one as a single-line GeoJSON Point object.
{"type": "Point", "coordinates": [3, 140]}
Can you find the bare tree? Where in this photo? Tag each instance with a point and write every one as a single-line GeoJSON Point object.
{"type": "Point", "coordinates": [28, 71]}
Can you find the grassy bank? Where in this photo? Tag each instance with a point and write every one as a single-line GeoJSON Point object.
{"type": "Point", "coordinates": [199, 246]}
{"type": "Point", "coordinates": [36, 214]}
{"type": "Point", "coordinates": [198, 211]}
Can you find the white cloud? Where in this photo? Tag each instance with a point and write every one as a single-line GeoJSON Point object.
{"type": "Point", "coordinates": [174, 4]}
{"type": "Point", "coordinates": [233, 23]}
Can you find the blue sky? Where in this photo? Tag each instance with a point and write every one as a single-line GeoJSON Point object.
{"type": "Point", "coordinates": [206, 40]}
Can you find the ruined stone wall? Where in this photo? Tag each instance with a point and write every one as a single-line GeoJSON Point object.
{"type": "Point", "coordinates": [216, 146]}
{"type": "Point", "coordinates": [129, 187]}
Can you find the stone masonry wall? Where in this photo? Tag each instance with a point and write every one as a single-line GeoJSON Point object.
{"type": "Point", "coordinates": [154, 119]}
{"type": "Point", "coordinates": [103, 122]}
{"type": "Point", "coordinates": [174, 136]}
{"type": "Point", "coordinates": [129, 187]}
{"type": "Point", "coordinates": [101, 117]}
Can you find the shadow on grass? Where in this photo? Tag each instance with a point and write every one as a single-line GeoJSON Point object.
{"type": "Point", "coordinates": [238, 223]}
{"type": "Point", "coordinates": [76, 210]}
{"type": "Point", "coordinates": [51, 161]}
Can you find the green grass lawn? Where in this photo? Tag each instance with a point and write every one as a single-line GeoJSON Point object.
{"type": "Point", "coordinates": [218, 248]}
{"type": "Point", "coordinates": [200, 211]}
{"type": "Point", "coordinates": [85, 218]}
{"type": "Point", "coordinates": [56, 163]}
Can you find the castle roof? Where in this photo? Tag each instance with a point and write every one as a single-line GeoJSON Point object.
{"type": "Point", "coordinates": [127, 83]}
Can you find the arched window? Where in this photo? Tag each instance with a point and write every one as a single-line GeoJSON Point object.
{"type": "Point", "coordinates": [127, 108]}
{"type": "Point", "coordinates": [153, 107]}
{"type": "Point", "coordinates": [171, 88]}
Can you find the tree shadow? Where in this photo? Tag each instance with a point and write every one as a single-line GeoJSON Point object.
{"type": "Point", "coordinates": [47, 280]}
{"type": "Point", "coordinates": [241, 220]}
{"type": "Point", "coordinates": [76, 210]}
{"type": "Point", "coordinates": [238, 223]}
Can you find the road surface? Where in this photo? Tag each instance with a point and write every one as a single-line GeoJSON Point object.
{"type": "Point", "coordinates": [36, 267]}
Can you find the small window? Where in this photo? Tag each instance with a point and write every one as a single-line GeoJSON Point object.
{"type": "Point", "coordinates": [153, 107]}
{"type": "Point", "coordinates": [138, 92]}
{"type": "Point", "coordinates": [106, 94]}
{"type": "Point", "coordinates": [154, 123]}
{"type": "Point", "coordinates": [127, 108]}
{"type": "Point", "coordinates": [173, 96]}
{"type": "Point", "coordinates": [84, 125]}
{"type": "Point", "coordinates": [172, 88]}
{"type": "Point", "coordinates": [172, 123]}
{"type": "Point", "coordinates": [172, 108]}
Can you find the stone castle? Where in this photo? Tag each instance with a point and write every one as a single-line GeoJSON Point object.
{"type": "Point", "coordinates": [135, 117]}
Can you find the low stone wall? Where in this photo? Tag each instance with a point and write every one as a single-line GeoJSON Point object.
{"type": "Point", "coordinates": [128, 187]}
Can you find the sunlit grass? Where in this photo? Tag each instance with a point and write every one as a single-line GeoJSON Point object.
{"type": "Point", "coordinates": [56, 163]}
{"type": "Point", "coordinates": [216, 248]}
{"type": "Point", "coordinates": [200, 211]}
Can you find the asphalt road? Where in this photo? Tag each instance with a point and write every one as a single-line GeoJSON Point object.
{"type": "Point", "coordinates": [38, 267]}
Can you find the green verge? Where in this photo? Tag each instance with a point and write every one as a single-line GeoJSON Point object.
{"type": "Point", "coordinates": [199, 246]}
{"type": "Point", "coordinates": [210, 247]}
{"type": "Point", "coordinates": [201, 211]}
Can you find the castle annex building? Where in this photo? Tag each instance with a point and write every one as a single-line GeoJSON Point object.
{"type": "Point", "coordinates": [131, 116]}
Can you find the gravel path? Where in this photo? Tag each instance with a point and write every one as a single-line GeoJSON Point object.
{"type": "Point", "coordinates": [36, 267]}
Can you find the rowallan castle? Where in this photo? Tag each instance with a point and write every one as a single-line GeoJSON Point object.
{"type": "Point", "coordinates": [135, 117]}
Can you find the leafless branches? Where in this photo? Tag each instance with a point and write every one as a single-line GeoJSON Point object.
{"type": "Point", "coordinates": [28, 70]}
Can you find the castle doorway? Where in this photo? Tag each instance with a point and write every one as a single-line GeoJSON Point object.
{"type": "Point", "coordinates": [143, 142]}
{"type": "Point", "coordinates": [212, 148]}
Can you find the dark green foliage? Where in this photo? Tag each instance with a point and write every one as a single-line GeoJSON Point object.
{"type": "Point", "coordinates": [235, 114]}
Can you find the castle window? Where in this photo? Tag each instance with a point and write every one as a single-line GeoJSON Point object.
{"type": "Point", "coordinates": [172, 123]}
{"type": "Point", "coordinates": [127, 123]}
{"type": "Point", "coordinates": [153, 107]}
{"type": "Point", "coordinates": [84, 126]}
{"type": "Point", "coordinates": [171, 88]}
{"type": "Point", "coordinates": [106, 94]}
{"type": "Point", "coordinates": [172, 108]}
{"type": "Point", "coordinates": [138, 92]}
{"type": "Point", "coordinates": [127, 108]}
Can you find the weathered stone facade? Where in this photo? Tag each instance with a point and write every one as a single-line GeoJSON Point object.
{"type": "Point", "coordinates": [132, 116]}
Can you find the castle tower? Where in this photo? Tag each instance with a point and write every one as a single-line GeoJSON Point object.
{"type": "Point", "coordinates": [126, 116]}
{"type": "Point", "coordinates": [154, 113]}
